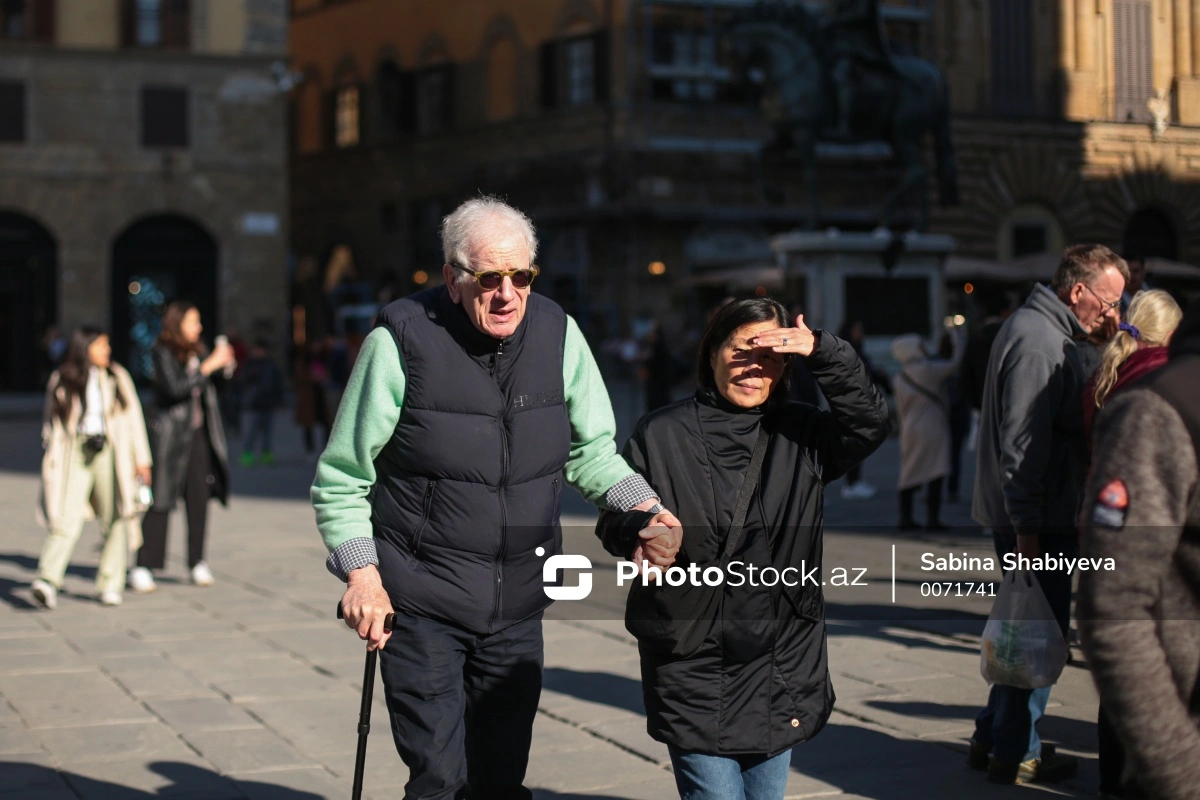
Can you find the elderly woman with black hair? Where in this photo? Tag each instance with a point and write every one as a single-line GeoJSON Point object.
{"type": "Point", "coordinates": [733, 678]}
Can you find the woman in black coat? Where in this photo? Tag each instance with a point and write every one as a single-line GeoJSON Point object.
{"type": "Point", "coordinates": [190, 454]}
{"type": "Point", "coordinates": [733, 678]}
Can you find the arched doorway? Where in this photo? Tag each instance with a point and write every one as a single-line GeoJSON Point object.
{"type": "Point", "coordinates": [28, 300]}
{"type": "Point", "coordinates": [1150, 234]}
{"type": "Point", "coordinates": [155, 261]}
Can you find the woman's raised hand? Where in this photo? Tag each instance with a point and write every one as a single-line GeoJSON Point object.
{"type": "Point", "coordinates": [798, 340]}
{"type": "Point", "coordinates": [220, 358]}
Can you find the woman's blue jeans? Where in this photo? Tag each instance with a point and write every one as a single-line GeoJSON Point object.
{"type": "Point", "coordinates": [699, 776]}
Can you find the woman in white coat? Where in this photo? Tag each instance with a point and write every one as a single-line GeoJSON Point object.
{"type": "Point", "coordinates": [922, 406]}
{"type": "Point", "coordinates": [96, 452]}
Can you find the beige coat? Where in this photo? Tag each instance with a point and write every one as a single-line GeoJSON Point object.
{"type": "Point", "coordinates": [126, 432]}
{"type": "Point", "coordinates": [924, 422]}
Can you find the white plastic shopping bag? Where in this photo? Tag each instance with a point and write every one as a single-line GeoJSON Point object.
{"type": "Point", "coordinates": [1022, 643]}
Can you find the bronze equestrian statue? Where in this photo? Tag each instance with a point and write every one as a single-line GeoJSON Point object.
{"type": "Point", "coordinates": [836, 80]}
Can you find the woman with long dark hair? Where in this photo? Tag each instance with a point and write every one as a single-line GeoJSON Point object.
{"type": "Point", "coordinates": [190, 454]}
{"type": "Point", "coordinates": [734, 678]}
{"type": "Point", "coordinates": [96, 452]}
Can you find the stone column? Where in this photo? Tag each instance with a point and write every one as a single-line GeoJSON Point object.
{"type": "Point", "coordinates": [1196, 37]}
{"type": "Point", "coordinates": [1085, 36]}
{"type": "Point", "coordinates": [1182, 30]}
{"type": "Point", "coordinates": [1066, 34]}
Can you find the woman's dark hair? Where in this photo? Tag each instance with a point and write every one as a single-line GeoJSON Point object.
{"type": "Point", "coordinates": [728, 319]}
{"type": "Point", "coordinates": [73, 374]}
{"type": "Point", "coordinates": [171, 336]}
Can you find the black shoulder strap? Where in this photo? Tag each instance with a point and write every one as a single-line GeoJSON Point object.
{"type": "Point", "coordinates": [927, 392]}
{"type": "Point", "coordinates": [749, 483]}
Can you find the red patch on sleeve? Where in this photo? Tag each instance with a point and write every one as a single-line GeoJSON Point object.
{"type": "Point", "coordinates": [1114, 495]}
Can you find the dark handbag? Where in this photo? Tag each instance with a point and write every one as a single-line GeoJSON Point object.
{"type": "Point", "coordinates": [674, 621]}
{"type": "Point", "coordinates": [94, 443]}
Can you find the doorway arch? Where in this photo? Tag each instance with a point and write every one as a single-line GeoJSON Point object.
{"type": "Point", "coordinates": [28, 300]}
{"type": "Point", "coordinates": [155, 261]}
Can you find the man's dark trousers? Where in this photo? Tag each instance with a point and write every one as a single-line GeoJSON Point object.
{"type": "Point", "coordinates": [1008, 725]}
{"type": "Point", "coordinates": [462, 706]}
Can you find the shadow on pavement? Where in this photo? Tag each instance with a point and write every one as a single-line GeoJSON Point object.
{"type": "Point", "coordinates": [186, 780]}
{"type": "Point", "coordinates": [596, 687]}
{"type": "Point", "coordinates": [1079, 734]}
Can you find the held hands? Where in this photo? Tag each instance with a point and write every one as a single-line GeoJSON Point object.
{"type": "Point", "coordinates": [365, 606]}
{"type": "Point", "coordinates": [659, 541]}
{"type": "Point", "coordinates": [220, 358]}
{"type": "Point", "coordinates": [143, 475]}
{"type": "Point", "coordinates": [798, 340]}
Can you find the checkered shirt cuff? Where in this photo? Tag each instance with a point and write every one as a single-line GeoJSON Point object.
{"type": "Point", "coordinates": [350, 555]}
{"type": "Point", "coordinates": [629, 492]}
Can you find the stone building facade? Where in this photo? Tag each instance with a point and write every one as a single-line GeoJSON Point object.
{"type": "Point", "coordinates": [143, 159]}
{"type": "Point", "coordinates": [619, 127]}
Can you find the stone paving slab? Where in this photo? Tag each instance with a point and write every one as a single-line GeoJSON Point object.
{"type": "Point", "coordinates": [237, 752]}
{"type": "Point", "coordinates": [91, 743]}
{"type": "Point", "coordinates": [61, 699]}
{"type": "Point", "coordinates": [194, 714]}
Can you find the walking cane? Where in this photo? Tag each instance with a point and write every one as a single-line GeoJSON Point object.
{"type": "Point", "coordinates": [364, 711]}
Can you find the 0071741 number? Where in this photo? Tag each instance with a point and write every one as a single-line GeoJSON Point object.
{"type": "Point", "coordinates": [957, 589]}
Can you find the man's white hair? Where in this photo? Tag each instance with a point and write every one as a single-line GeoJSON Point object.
{"type": "Point", "coordinates": [480, 217]}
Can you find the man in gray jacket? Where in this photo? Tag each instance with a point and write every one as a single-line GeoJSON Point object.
{"type": "Point", "coordinates": [1140, 621]}
{"type": "Point", "coordinates": [1029, 475]}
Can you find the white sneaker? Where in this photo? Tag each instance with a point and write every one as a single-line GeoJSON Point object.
{"type": "Point", "coordinates": [141, 580]}
{"type": "Point", "coordinates": [110, 597]}
{"type": "Point", "coordinates": [202, 575]}
{"type": "Point", "coordinates": [45, 593]}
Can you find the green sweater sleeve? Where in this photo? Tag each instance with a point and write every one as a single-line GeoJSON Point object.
{"type": "Point", "coordinates": [593, 465]}
{"type": "Point", "coordinates": [366, 420]}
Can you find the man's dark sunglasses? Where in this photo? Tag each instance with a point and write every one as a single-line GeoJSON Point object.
{"type": "Point", "coordinates": [490, 280]}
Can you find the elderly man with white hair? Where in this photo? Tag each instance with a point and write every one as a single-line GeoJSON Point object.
{"type": "Point", "coordinates": [438, 497]}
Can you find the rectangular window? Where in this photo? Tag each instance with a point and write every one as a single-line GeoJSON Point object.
{"type": "Point", "coordinates": [164, 116]}
{"type": "Point", "coordinates": [1013, 87]}
{"type": "Point", "coordinates": [433, 100]}
{"type": "Point", "coordinates": [346, 122]}
{"type": "Point", "coordinates": [581, 75]}
{"type": "Point", "coordinates": [1133, 53]}
{"type": "Point", "coordinates": [27, 20]}
{"type": "Point", "coordinates": [156, 23]}
{"type": "Point", "coordinates": [12, 111]}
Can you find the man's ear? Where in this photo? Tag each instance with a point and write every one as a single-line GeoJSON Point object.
{"type": "Point", "coordinates": [451, 279]}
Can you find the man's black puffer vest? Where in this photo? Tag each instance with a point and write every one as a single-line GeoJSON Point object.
{"type": "Point", "coordinates": [468, 488]}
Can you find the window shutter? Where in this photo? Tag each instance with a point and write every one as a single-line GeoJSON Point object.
{"type": "Point", "coordinates": [388, 99]}
{"type": "Point", "coordinates": [43, 20]}
{"type": "Point", "coordinates": [128, 23]}
{"type": "Point", "coordinates": [12, 111]}
{"type": "Point", "coordinates": [1013, 86]}
{"type": "Point", "coordinates": [176, 24]}
{"type": "Point", "coordinates": [449, 98]}
{"type": "Point", "coordinates": [600, 67]}
{"type": "Point", "coordinates": [408, 102]}
{"type": "Point", "coordinates": [1134, 59]}
{"type": "Point", "coordinates": [548, 63]}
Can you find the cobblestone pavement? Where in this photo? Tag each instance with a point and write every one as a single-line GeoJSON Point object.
{"type": "Point", "coordinates": [250, 689]}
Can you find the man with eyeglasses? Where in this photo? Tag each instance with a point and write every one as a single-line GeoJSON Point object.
{"type": "Point", "coordinates": [1029, 475]}
{"type": "Point", "coordinates": [438, 497]}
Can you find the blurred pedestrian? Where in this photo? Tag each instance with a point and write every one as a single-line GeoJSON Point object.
{"type": "Point", "coordinates": [96, 452]}
{"type": "Point", "coordinates": [959, 413]}
{"type": "Point", "coordinates": [923, 410]}
{"type": "Point", "coordinates": [662, 369]}
{"type": "Point", "coordinates": [262, 392]}
{"type": "Point", "coordinates": [310, 376]}
{"type": "Point", "coordinates": [1140, 621]}
{"type": "Point", "coordinates": [190, 452]}
{"type": "Point", "coordinates": [1029, 471]}
{"type": "Point", "coordinates": [996, 308]}
{"type": "Point", "coordinates": [1139, 348]}
{"type": "Point", "coordinates": [853, 332]}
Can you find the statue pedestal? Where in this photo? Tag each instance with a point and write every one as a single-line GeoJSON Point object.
{"type": "Point", "coordinates": [833, 277]}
